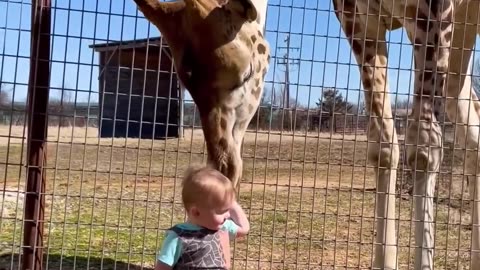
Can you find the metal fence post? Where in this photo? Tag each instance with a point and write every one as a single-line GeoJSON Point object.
{"type": "Point", "coordinates": [38, 92]}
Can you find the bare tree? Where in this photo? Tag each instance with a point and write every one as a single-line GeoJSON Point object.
{"type": "Point", "coordinates": [4, 96]}
{"type": "Point", "coordinates": [61, 107]}
{"type": "Point", "coordinates": [404, 103]}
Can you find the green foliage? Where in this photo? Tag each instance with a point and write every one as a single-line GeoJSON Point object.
{"type": "Point", "coordinates": [333, 102]}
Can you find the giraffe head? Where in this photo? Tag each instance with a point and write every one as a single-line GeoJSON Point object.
{"type": "Point", "coordinates": [221, 57]}
{"type": "Point", "coordinates": [206, 33]}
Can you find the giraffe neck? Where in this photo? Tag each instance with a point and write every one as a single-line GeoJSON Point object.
{"type": "Point", "coordinates": [261, 6]}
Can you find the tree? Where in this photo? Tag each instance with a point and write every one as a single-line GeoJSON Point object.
{"type": "Point", "coordinates": [62, 108]}
{"type": "Point", "coordinates": [4, 95]}
{"type": "Point", "coordinates": [405, 103]}
{"type": "Point", "coordinates": [331, 103]}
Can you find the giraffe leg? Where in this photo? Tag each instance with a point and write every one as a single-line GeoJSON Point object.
{"type": "Point", "coordinates": [431, 37]}
{"type": "Point", "coordinates": [462, 109]}
{"type": "Point", "coordinates": [367, 40]}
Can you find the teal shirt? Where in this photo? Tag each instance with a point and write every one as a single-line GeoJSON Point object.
{"type": "Point", "coordinates": [172, 247]}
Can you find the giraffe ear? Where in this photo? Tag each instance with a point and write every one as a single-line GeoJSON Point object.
{"type": "Point", "coordinates": [244, 8]}
{"type": "Point", "coordinates": [250, 10]}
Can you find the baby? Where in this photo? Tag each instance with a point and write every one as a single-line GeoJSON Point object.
{"type": "Point", "coordinates": [213, 218]}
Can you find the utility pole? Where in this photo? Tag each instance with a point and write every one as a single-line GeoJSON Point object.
{"type": "Point", "coordinates": [286, 61]}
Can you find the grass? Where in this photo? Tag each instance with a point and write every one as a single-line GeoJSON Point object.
{"type": "Point", "coordinates": [310, 200]}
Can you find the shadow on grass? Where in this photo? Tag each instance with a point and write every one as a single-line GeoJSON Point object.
{"type": "Point", "coordinates": [7, 262]}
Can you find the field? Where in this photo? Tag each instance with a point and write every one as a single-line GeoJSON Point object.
{"type": "Point", "coordinates": [310, 199]}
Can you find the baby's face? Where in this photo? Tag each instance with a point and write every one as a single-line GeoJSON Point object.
{"type": "Point", "coordinates": [213, 218]}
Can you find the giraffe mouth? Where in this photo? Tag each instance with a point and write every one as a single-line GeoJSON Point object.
{"type": "Point", "coordinates": [249, 75]}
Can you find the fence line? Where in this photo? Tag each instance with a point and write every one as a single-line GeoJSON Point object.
{"type": "Point", "coordinates": [107, 132]}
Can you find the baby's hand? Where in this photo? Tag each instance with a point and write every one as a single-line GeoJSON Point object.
{"type": "Point", "coordinates": [238, 216]}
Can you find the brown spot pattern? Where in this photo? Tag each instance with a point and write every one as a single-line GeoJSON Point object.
{"type": "Point", "coordinates": [448, 36]}
{"type": "Point", "coordinates": [256, 92]}
{"type": "Point", "coordinates": [367, 83]}
{"type": "Point", "coordinates": [418, 42]}
{"type": "Point", "coordinates": [420, 17]}
{"type": "Point", "coordinates": [223, 123]}
{"type": "Point", "coordinates": [253, 38]}
{"type": "Point", "coordinates": [356, 46]}
{"type": "Point", "coordinates": [438, 6]}
{"type": "Point", "coordinates": [257, 69]}
{"type": "Point", "coordinates": [427, 75]}
{"type": "Point", "coordinates": [445, 24]}
{"type": "Point", "coordinates": [352, 29]}
{"type": "Point", "coordinates": [223, 144]}
{"type": "Point", "coordinates": [430, 52]}
{"type": "Point", "coordinates": [261, 48]}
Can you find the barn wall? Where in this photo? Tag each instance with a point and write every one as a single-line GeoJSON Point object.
{"type": "Point", "coordinates": [123, 92]}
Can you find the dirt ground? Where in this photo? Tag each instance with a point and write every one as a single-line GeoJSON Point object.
{"type": "Point", "coordinates": [310, 199]}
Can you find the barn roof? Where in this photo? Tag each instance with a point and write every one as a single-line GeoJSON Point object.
{"type": "Point", "coordinates": [130, 44]}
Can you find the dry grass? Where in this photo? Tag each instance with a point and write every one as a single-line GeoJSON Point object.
{"type": "Point", "coordinates": [310, 199]}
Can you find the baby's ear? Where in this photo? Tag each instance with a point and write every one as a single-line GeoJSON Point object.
{"type": "Point", "coordinates": [194, 211]}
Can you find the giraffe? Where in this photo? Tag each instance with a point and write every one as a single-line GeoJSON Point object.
{"type": "Point", "coordinates": [442, 33]}
{"type": "Point", "coordinates": [239, 59]}
{"type": "Point", "coordinates": [221, 57]}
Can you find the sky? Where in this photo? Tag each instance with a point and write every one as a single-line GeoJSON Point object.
{"type": "Point", "coordinates": [319, 48]}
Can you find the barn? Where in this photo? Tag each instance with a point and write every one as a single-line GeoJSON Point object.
{"type": "Point", "coordinates": [139, 93]}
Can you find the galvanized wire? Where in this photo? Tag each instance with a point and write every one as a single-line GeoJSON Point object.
{"type": "Point", "coordinates": [120, 193]}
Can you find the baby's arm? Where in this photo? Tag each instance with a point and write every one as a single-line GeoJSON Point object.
{"type": "Point", "coordinates": [161, 266]}
{"type": "Point", "coordinates": [169, 252]}
{"type": "Point", "coordinates": [238, 216]}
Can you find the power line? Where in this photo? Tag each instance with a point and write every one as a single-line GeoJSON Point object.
{"type": "Point", "coordinates": [287, 62]}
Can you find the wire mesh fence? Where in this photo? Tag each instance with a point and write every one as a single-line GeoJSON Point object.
{"type": "Point", "coordinates": [122, 130]}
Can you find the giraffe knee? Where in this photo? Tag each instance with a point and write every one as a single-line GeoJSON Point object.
{"type": "Point", "coordinates": [384, 155]}
{"type": "Point", "coordinates": [424, 146]}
